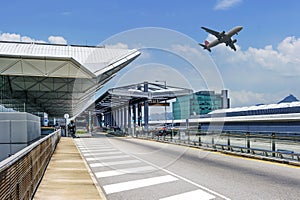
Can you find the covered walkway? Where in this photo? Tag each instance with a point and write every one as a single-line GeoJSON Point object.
{"type": "Point", "coordinates": [67, 176]}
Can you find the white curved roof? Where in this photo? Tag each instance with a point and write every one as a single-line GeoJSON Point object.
{"type": "Point", "coordinates": [92, 60]}
{"type": "Point", "coordinates": [58, 79]}
{"type": "Point", "coordinates": [260, 107]}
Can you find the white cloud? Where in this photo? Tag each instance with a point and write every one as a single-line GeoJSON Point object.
{"type": "Point", "coordinates": [117, 46]}
{"type": "Point", "coordinates": [283, 59]}
{"type": "Point", "coordinates": [57, 40]}
{"type": "Point", "coordinates": [226, 4]}
{"type": "Point", "coordinates": [260, 75]}
{"type": "Point", "coordinates": [10, 37]}
{"type": "Point", "coordinates": [247, 98]}
{"type": "Point", "coordinates": [19, 38]}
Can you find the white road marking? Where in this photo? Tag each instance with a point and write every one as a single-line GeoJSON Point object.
{"type": "Point", "coordinates": [123, 171]}
{"type": "Point", "coordinates": [122, 162]}
{"type": "Point", "coordinates": [193, 195]}
{"type": "Point", "coordinates": [95, 148]}
{"type": "Point", "coordinates": [98, 150]}
{"type": "Point", "coordinates": [129, 185]}
{"type": "Point", "coordinates": [107, 157]}
{"type": "Point", "coordinates": [182, 178]}
{"type": "Point", "coordinates": [101, 153]}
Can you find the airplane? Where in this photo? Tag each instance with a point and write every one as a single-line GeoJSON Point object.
{"type": "Point", "coordinates": [222, 37]}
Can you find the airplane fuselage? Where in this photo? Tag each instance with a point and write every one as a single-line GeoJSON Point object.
{"type": "Point", "coordinates": [224, 38]}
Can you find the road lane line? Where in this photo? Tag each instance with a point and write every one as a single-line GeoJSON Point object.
{"type": "Point", "coordinates": [129, 185]}
{"type": "Point", "coordinates": [98, 150]}
{"type": "Point", "coordinates": [118, 172]}
{"type": "Point", "coordinates": [107, 157]}
{"type": "Point", "coordinates": [193, 195]}
{"type": "Point", "coordinates": [86, 148]}
{"type": "Point", "coordinates": [122, 162]}
{"type": "Point", "coordinates": [101, 153]}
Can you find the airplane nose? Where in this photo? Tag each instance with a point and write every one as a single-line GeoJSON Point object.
{"type": "Point", "coordinates": [240, 28]}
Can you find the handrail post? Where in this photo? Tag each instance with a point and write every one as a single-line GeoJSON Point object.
{"type": "Point", "coordinates": [228, 141]}
{"type": "Point", "coordinates": [248, 141]}
{"type": "Point", "coordinates": [273, 144]}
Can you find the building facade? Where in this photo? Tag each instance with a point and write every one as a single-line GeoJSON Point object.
{"type": "Point", "coordinates": [199, 103]}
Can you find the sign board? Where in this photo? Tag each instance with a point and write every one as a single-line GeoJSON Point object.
{"type": "Point", "coordinates": [66, 116]}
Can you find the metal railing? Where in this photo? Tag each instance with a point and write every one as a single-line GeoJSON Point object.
{"type": "Point", "coordinates": [271, 146]}
{"type": "Point", "coordinates": [21, 173]}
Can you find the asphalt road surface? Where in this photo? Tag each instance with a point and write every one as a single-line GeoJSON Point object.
{"type": "Point", "coordinates": [129, 168]}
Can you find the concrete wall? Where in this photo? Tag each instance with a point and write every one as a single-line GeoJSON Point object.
{"type": "Point", "coordinates": [17, 129]}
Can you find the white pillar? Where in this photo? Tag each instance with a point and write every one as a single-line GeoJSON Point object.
{"type": "Point", "coordinates": [121, 117]}
{"type": "Point", "coordinates": [125, 115]}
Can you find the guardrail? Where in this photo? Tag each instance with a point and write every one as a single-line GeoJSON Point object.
{"type": "Point", "coordinates": [21, 173]}
{"type": "Point", "coordinates": [279, 155]}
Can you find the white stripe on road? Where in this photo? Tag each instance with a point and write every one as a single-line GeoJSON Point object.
{"type": "Point", "coordinates": [107, 157]}
{"type": "Point", "coordinates": [182, 178]}
{"type": "Point", "coordinates": [122, 162]}
{"type": "Point", "coordinates": [101, 153]}
{"type": "Point", "coordinates": [95, 147]}
{"type": "Point", "coordinates": [123, 171]}
{"type": "Point", "coordinates": [124, 186]}
{"type": "Point", "coordinates": [98, 150]}
{"type": "Point", "coordinates": [193, 195]}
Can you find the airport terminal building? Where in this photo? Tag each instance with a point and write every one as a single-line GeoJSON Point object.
{"type": "Point", "coordinates": [50, 79]}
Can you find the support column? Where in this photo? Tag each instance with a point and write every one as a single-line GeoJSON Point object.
{"type": "Point", "coordinates": [122, 118]}
{"type": "Point", "coordinates": [107, 119]}
{"type": "Point", "coordinates": [90, 121]}
{"type": "Point", "coordinates": [125, 119]}
{"type": "Point", "coordinates": [146, 109]}
{"type": "Point", "coordinates": [117, 118]}
{"type": "Point", "coordinates": [129, 119]}
{"type": "Point", "coordinates": [139, 114]}
{"type": "Point", "coordinates": [134, 118]}
{"type": "Point", "coordinates": [99, 119]}
{"type": "Point", "coordinates": [113, 118]}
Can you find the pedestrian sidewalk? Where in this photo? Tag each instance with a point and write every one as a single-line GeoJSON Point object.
{"type": "Point", "coordinates": [67, 176]}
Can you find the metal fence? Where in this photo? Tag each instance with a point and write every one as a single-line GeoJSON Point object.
{"type": "Point", "coordinates": [274, 146]}
{"type": "Point", "coordinates": [21, 173]}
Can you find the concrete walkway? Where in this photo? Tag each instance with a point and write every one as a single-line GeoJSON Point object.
{"type": "Point", "coordinates": [67, 176]}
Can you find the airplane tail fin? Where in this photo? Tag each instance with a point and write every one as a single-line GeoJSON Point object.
{"type": "Point", "coordinates": [206, 43]}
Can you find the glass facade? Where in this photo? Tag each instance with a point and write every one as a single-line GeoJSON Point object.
{"type": "Point", "coordinates": [199, 103]}
{"type": "Point", "coordinates": [7, 103]}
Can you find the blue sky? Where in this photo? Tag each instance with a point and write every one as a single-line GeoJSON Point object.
{"type": "Point", "coordinates": [263, 70]}
{"type": "Point", "coordinates": [92, 21]}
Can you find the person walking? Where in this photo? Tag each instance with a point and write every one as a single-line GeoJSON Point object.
{"type": "Point", "coordinates": [72, 128]}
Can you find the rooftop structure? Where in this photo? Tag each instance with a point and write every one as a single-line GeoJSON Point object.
{"type": "Point", "coordinates": [56, 79]}
{"type": "Point", "coordinates": [281, 108]}
{"type": "Point", "coordinates": [121, 105]}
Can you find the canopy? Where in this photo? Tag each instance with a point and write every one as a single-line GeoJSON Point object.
{"type": "Point", "coordinates": [56, 79]}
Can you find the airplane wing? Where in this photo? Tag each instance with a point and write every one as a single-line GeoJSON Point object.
{"type": "Point", "coordinates": [215, 33]}
{"type": "Point", "coordinates": [231, 44]}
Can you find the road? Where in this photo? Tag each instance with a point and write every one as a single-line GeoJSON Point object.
{"type": "Point", "coordinates": [129, 168]}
